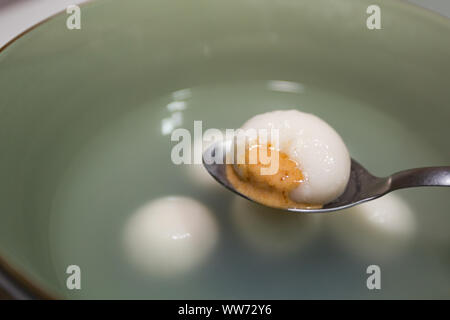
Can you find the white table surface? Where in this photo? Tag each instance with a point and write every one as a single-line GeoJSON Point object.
{"type": "Point", "coordinates": [17, 16]}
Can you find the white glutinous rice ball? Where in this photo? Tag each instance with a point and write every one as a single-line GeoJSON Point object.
{"type": "Point", "coordinates": [319, 151]}
{"type": "Point", "coordinates": [169, 236]}
{"type": "Point", "coordinates": [377, 230]}
{"type": "Point", "coordinates": [271, 232]}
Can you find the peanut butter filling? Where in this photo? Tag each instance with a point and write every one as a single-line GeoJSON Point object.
{"type": "Point", "coordinates": [271, 189]}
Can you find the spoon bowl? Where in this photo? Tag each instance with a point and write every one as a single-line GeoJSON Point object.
{"type": "Point", "coordinates": [361, 187]}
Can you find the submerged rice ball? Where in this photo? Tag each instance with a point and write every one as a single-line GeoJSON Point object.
{"type": "Point", "coordinates": [170, 236]}
{"type": "Point", "coordinates": [377, 230]}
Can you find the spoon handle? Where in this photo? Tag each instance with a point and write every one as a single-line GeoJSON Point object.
{"type": "Point", "coordinates": [428, 176]}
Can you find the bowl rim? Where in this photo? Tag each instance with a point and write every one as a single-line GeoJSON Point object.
{"type": "Point", "coordinates": [14, 284]}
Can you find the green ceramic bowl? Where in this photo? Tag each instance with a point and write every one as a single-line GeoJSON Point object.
{"type": "Point", "coordinates": [83, 142]}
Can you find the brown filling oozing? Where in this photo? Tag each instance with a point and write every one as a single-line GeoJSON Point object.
{"type": "Point", "coordinates": [272, 190]}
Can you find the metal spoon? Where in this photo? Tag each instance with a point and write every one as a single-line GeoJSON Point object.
{"type": "Point", "coordinates": [362, 185]}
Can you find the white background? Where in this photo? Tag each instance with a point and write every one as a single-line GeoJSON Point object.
{"type": "Point", "coordinates": [18, 15]}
